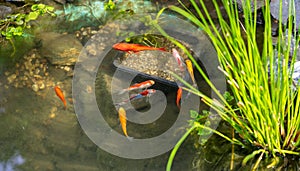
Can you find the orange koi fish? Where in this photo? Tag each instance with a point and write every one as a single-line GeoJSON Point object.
{"type": "Point", "coordinates": [123, 121]}
{"type": "Point", "coordinates": [179, 94]}
{"type": "Point", "coordinates": [141, 85]}
{"type": "Point", "coordinates": [178, 59]}
{"type": "Point", "coordinates": [129, 47]}
{"type": "Point", "coordinates": [189, 66]}
{"type": "Point", "coordinates": [60, 94]}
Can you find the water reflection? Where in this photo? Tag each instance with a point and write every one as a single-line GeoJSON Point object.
{"type": "Point", "coordinates": [11, 163]}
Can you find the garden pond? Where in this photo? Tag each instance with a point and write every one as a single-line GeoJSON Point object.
{"type": "Point", "coordinates": [74, 51]}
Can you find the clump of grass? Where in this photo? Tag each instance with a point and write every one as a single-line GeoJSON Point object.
{"type": "Point", "coordinates": [267, 116]}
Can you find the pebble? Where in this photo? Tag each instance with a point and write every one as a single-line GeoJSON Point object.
{"type": "Point", "coordinates": [84, 33]}
{"type": "Point", "coordinates": [152, 63]}
{"type": "Point", "coordinates": [52, 115]}
{"type": "Point", "coordinates": [67, 68]}
{"type": "Point", "coordinates": [35, 87]}
{"type": "Point", "coordinates": [42, 86]}
{"type": "Point", "coordinates": [30, 72]}
{"type": "Point", "coordinates": [11, 78]}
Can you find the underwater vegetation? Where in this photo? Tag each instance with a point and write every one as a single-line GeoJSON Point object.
{"type": "Point", "coordinates": [15, 25]}
{"type": "Point", "coordinates": [95, 13]}
{"type": "Point", "coordinates": [264, 104]}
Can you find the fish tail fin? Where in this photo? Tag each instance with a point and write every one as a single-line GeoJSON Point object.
{"type": "Point", "coordinates": [118, 105]}
{"type": "Point", "coordinates": [129, 138]}
{"type": "Point", "coordinates": [188, 95]}
{"type": "Point", "coordinates": [162, 49]}
{"type": "Point", "coordinates": [65, 105]}
{"type": "Point", "coordinates": [122, 91]}
{"type": "Point", "coordinates": [178, 98]}
{"type": "Point", "coordinates": [178, 105]}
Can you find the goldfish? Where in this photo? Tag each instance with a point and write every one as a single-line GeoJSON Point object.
{"type": "Point", "coordinates": [129, 47]}
{"type": "Point", "coordinates": [189, 66]}
{"type": "Point", "coordinates": [178, 97]}
{"type": "Point", "coordinates": [60, 94]}
{"type": "Point", "coordinates": [178, 59]}
{"type": "Point", "coordinates": [141, 85]}
{"type": "Point", "coordinates": [123, 121]}
{"type": "Point", "coordinates": [145, 93]}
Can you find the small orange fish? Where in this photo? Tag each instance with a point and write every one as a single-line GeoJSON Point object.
{"type": "Point", "coordinates": [123, 121]}
{"type": "Point", "coordinates": [179, 94]}
{"type": "Point", "coordinates": [141, 85]}
{"type": "Point", "coordinates": [189, 66]}
{"type": "Point", "coordinates": [60, 94]}
{"type": "Point", "coordinates": [129, 47]}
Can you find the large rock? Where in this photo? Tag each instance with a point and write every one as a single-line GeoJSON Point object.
{"type": "Point", "coordinates": [4, 11]}
{"type": "Point", "coordinates": [295, 9]}
{"type": "Point", "coordinates": [60, 49]}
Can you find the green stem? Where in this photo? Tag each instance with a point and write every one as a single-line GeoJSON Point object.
{"type": "Point", "coordinates": [14, 48]}
{"type": "Point", "coordinates": [176, 147]}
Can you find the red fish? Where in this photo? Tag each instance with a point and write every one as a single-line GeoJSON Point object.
{"type": "Point", "coordinates": [145, 93]}
{"type": "Point", "coordinates": [60, 94]}
{"type": "Point", "coordinates": [178, 59]}
{"type": "Point", "coordinates": [141, 85]}
{"type": "Point", "coordinates": [179, 94]}
{"type": "Point", "coordinates": [129, 47]}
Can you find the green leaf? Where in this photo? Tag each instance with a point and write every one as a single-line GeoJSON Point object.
{"type": "Point", "coordinates": [127, 39]}
{"type": "Point", "coordinates": [50, 8]}
{"type": "Point", "coordinates": [34, 7]}
{"type": "Point", "coordinates": [18, 31]}
{"type": "Point", "coordinates": [110, 5]}
{"type": "Point", "coordinates": [41, 6]}
{"type": "Point", "coordinates": [228, 96]}
{"type": "Point", "coordinates": [3, 33]}
{"type": "Point", "coordinates": [32, 16]}
{"type": "Point", "coordinates": [194, 114]}
{"type": "Point", "coordinates": [19, 22]}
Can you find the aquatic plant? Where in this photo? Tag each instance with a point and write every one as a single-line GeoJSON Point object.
{"type": "Point", "coordinates": [265, 115]}
{"type": "Point", "coordinates": [110, 5]}
{"type": "Point", "coordinates": [14, 24]}
{"type": "Point", "coordinates": [91, 13]}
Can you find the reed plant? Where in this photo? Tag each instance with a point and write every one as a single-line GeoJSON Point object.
{"type": "Point", "coordinates": [266, 116]}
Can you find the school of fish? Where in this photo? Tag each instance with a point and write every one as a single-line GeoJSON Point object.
{"type": "Point", "coordinates": [142, 94]}
{"type": "Point", "coordinates": [129, 48]}
{"type": "Point", "coordinates": [183, 65]}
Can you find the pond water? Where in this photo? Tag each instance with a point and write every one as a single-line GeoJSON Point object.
{"type": "Point", "coordinates": [38, 133]}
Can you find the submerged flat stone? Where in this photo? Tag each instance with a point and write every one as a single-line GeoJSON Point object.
{"type": "Point", "coordinates": [60, 49]}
